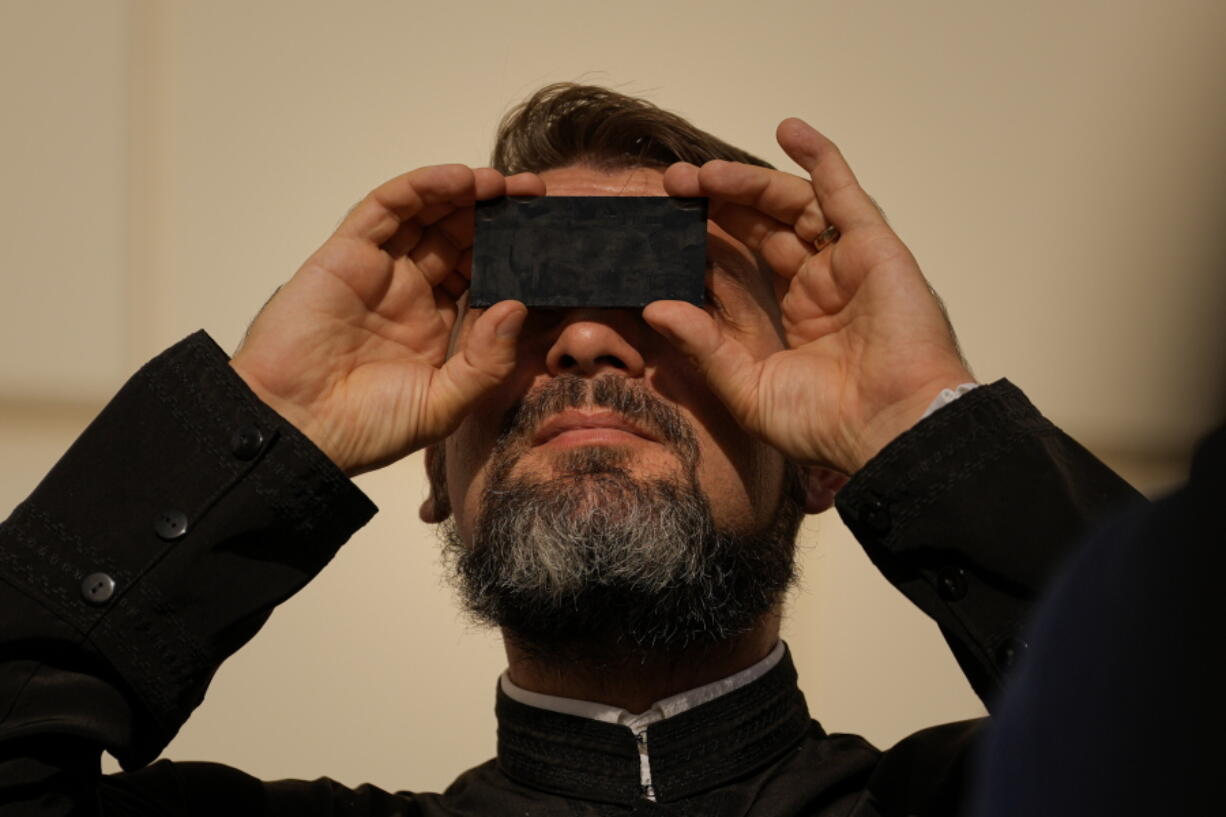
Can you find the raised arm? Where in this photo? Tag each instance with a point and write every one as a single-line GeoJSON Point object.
{"type": "Point", "coordinates": [966, 512]}
{"type": "Point", "coordinates": [210, 490]}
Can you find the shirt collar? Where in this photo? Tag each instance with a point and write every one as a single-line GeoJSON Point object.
{"type": "Point", "coordinates": [732, 728]}
{"type": "Point", "coordinates": [658, 711]}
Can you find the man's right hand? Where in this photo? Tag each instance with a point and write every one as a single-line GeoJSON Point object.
{"type": "Point", "coordinates": [353, 349]}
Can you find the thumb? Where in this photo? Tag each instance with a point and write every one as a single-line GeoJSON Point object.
{"type": "Point", "coordinates": [729, 368]}
{"type": "Point", "coordinates": [485, 359]}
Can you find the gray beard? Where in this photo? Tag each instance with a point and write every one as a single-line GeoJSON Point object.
{"type": "Point", "coordinates": [596, 565]}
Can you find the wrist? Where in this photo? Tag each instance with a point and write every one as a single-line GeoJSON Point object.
{"type": "Point", "coordinates": [889, 422]}
{"type": "Point", "coordinates": [292, 413]}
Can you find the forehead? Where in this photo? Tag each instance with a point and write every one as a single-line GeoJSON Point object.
{"type": "Point", "coordinates": [581, 180]}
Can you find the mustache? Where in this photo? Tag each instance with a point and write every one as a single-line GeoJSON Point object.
{"type": "Point", "coordinates": [629, 398]}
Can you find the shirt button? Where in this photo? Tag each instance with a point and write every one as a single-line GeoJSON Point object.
{"type": "Point", "coordinates": [876, 516]}
{"type": "Point", "coordinates": [246, 442]}
{"type": "Point", "coordinates": [170, 524]}
{"type": "Point", "coordinates": [97, 588]}
{"type": "Point", "coordinates": [951, 583]}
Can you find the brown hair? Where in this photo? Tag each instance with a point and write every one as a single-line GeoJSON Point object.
{"type": "Point", "coordinates": [567, 124]}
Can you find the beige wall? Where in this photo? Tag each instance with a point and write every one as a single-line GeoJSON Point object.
{"type": "Point", "coordinates": [1056, 167]}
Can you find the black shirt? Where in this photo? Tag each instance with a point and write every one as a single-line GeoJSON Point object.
{"type": "Point", "coordinates": [188, 510]}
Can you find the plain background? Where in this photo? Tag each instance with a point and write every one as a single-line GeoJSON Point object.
{"type": "Point", "coordinates": [1056, 167]}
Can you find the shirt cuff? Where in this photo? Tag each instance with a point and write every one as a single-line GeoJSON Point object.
{"type": "Point", "coordinates": [946, 397]}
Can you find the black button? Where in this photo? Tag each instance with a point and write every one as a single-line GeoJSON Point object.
{"type": "Point", "coordinates": [1010, 652]}
{"type": "Point", "coordinates": [246, 442]}
{"type": "Point", "coordinates": [876, 516]}
{"type": "Point", "coordinates": [170, 524]}
{"type": "Point", "coordinates": [97, 588]}
{"type": "Point", "coordinates": [951, 583]}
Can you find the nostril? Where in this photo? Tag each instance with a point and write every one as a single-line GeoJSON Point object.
{"type": "Point", "coordinates": [568, 362]}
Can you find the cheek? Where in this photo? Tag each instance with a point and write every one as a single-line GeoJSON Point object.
{"type": "Point", "coordinates": [742, 479]}
{"type": "Point", "coordinates": [741, 476]}
{"type": "Point", "coordinates": [467, 457]}
{"type": "Point", "coordinates": [470, 445]}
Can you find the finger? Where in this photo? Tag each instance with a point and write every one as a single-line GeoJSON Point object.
{"type": "Point", "coordinates": [447, 307]}
{"type": "Point", "coordinates": [432, 214]}
{"type": "Point", "coordinates": [458, 225]}
{"type": "Point", "coordinates": [777, 242]}
{"type": "Point", "coordinates": [681, 179]}
{"type": "Point", "coordinates": [456, 228]}
{"type": "Point", "coordinates": [454, 285]}
{"type": "Point", "coordinates": [485, 359]}
{"type": "Point", "coordinates": [378, 216]}
{"type": "Point", "coordinates": [404, 239]}
{"type": "Point", "coordinates": [838, 193]}
{"type": "Point", "coordinates": [465, 265]}
{"type": "Point", "coordinates": [488, 183]}
{"type": "Point", "coordinates": [783, 250]}
{"type": "Point", "coordinates": [729, 368]}
{"type": "Point", "coordinates": [782, 196]}
{"type": "Point", "coordinates": [435, 256]}
{"type": "Point", "coordinates": [525, 184]}
{"type": "Point", "coordinates": [457, 222]}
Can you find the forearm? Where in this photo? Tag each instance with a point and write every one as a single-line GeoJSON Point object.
{"type": "Point", "coordinates": [205, 509]}
{"type": "Point", "coordinates": [971, 511]}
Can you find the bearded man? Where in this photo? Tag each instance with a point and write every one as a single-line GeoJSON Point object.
{"type": "Point", "coordinates": [619, 491]}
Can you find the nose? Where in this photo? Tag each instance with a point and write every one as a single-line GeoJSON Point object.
{"type": "Point", "coordinates": [598, 341]}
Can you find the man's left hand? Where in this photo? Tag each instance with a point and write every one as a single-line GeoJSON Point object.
{"type": "Point", "coordinates": [868, 343]}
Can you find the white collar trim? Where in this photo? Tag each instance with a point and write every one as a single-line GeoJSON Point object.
{"type": "Point", "coordinates": [665, 708]}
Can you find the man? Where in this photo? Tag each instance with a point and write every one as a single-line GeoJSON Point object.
{"type": "Point", "coordinates": [620, 490]}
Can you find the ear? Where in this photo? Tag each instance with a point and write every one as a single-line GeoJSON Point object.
{"type": "Point", "coordinates": [820, 485]}
{"type": "Point", "coordinates": [437, 506]}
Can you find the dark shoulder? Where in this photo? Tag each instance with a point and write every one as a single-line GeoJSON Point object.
{"type": "Point", "coordinates": [926, 773]}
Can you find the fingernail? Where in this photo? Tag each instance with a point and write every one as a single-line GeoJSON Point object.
{"type": "Point", "coordinates": [511, 324]}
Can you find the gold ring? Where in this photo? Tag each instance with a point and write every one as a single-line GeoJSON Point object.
{"type": "Point", "coordinates": [827, 237]}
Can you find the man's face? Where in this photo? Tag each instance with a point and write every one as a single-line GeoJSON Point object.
{"type": "Point", "coordinates": [740, 476]}
{"type": "Point", "coordinates": [603, 492]}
